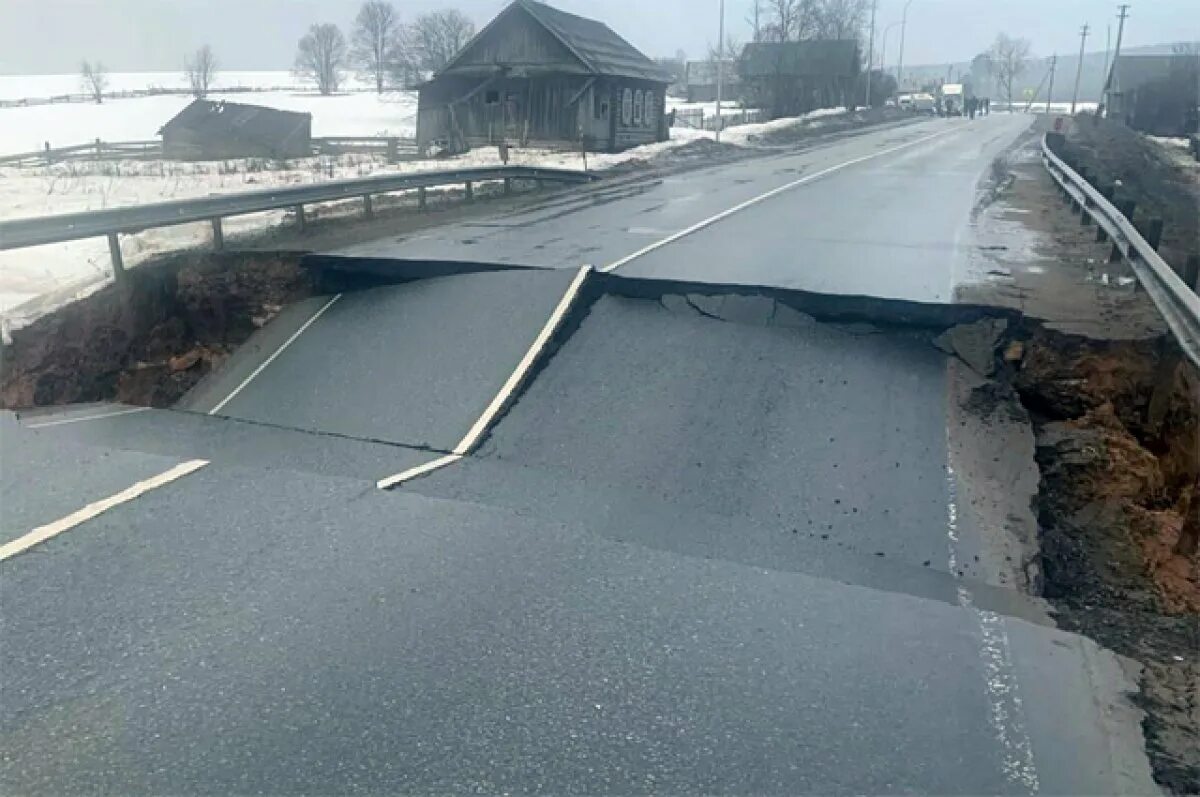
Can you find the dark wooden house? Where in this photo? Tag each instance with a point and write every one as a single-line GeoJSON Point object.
{"type": "Point", "coordinates": [212, 130]}
{"type": "Point", "coordinates": [1156, 94]}
{"type": "Point", "coordinates": [791, 78]}
{"type": "Point", "coordinates": [539, 76]}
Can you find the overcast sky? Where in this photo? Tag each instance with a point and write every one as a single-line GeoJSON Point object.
{"type": "Point", "coordinates": [51, 36]}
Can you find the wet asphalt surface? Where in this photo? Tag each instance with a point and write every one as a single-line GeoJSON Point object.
{"type": "Point", "coordinates": [696, 555]}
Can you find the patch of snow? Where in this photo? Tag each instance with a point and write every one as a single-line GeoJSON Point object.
{"type": "Point", "coordinates": [1174, 143]}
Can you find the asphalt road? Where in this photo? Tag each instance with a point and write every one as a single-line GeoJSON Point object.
{"type": "Point", "coordinates": [893, 219]}
{"type": "Point", "coordinates": [701, 552]}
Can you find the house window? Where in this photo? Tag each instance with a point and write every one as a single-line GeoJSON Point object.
{"type": "Point", "coordinates": [648, 109]}
{"type": "Point", "coordinates": [491, 97]}
{"type": "Point", "coordinates": [627, 107]}
{"type": "Point", "coordinates": [638, 107]}
{"type": "Point", "coordinates": [600, 104]}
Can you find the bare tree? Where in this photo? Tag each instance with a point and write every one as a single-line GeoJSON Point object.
{"type": "Point", "coordinates": [756, 18]}
{"type": "Point", "coordinates": [374, 40]}
{"type": "Point", "coordinates": [435, 38]}
{"type": "Point", "coordinates": [789, 20]}
{"type": "Point", "coordinates": [1010, 58]}
{"type": "Point", "coordinates": [321, 57]}
{"type": "Point", "coordinates": [730, 51]}
{"type": "Point", "coordinates": [841, 19]}
{"type": "Point", "coordinates": [201, 70]}
{"type": "Point", "coordinates": [981, 72]}
{"type": "Point", "coordinates": [94, 78]}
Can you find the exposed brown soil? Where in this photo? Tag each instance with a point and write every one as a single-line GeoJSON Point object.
{"type": "Point", "coordinates": [151, 339]}
{"type": "Point", "coordinates": [1119, 466]}
{"type": "Point", "coordinates": [1110, 152]}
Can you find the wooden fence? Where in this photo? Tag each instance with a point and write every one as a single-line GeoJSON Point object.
{"type": "Point", "coordinates": [394, 148]}
{"type": "Point", "coordinates": [697, 119]}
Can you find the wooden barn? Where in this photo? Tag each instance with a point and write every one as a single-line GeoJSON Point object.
{"type": "Point", "coordinates": [791, 78]}
{"type": "Point", "coordinates": [212, 130]}
{"type": "Point", "coordinates": [542, 77]}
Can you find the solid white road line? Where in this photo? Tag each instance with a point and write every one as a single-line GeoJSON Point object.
{"type": "Point", "coordinates": [413, 473]}
{"type": "Point", "coordinates": [522, 370]}
{"type": "Point", "coordinates": [272, 358]}
{"type": "Point", "coordinates": [43, 533]}
{"type": "Point", "coordinates": [86, 418]}
{"type": "Point", "coordinates": [764, 197]}
{"type": "Point", "coordinates": [476, 432]}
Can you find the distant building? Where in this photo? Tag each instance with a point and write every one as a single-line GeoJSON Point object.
{"type": "Point", "coordinates": [537, 75]}
{"type": "Point", "coordinates": [791, 78]}
{"type": "Point", "coordinates": [1156, 94]}
{"type": "Point", "coordinates": [212, 130]}
{"type": "Point", "coordinates": [701, 80]}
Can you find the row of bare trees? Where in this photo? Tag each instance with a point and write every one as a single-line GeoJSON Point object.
{"type": "Point", "coordinates": [382, 48]}
{"type": "Point", "coordinates": [200, 69]}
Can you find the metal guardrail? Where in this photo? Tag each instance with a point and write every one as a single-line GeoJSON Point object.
{"type": "Point", "coordinates": [20, 233]}
{"type": "Point", "coordinates": [1176, 301]}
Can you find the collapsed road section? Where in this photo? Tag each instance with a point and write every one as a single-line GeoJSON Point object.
{"type": "Point", "coordinates": [706, 507]}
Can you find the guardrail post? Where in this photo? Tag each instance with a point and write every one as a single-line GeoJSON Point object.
{"type": "Point", "coordinates": [393, 150]}
{"type": "Point", "coordinates": [1191, 272]}
{"type": "Point", "coordinates": [507, 186]}
{"type": "Point", "coordinates": [422, 198]}
{"type": "Point", "coordinates": [301, 222]}
{"type": "Point", "coordinates": [114, 252]}
{"type": "Point", "coordinates": [1154, 232]}
{"type": "Point", "coordinates": [470, 191]}
{"type": "Point", "coordinates": [218, 234]}
{"type": "Point", "coordinates": [368, 208]}
{"type": "Point", "coordinates": [1126, 208]}
{"type": "Point", "coordinates": [1107, 192]}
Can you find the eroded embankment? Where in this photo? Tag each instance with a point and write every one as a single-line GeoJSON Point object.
{"type": "Point", "coordinates": [1118, 448]}
{"type": "Point", "coordinates": [150, 339]}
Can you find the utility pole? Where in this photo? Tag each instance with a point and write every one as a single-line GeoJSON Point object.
{"type": "Point", "coordinates": [1124, 12]}
{"type": "Point", "coordinates": [1050, 92]}
{"type": "Point", "coordinates": [1083, 34]}
{"type": "Point", "coordinates": [1107, 53]}
{"type": "Point", "coordinates": [870, 51]}
{"type": "Point", "coordinates": [903, 31]}
{"type": "Point", "coordinates": [720, 67]}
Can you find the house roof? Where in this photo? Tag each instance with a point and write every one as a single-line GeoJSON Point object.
{"type": "Point", "coordinates": [232, 118]}
{"type": "Point", "coordinates": [816, 58]}
{"type": "Point", "coordinates": [1130, 72]}
{"type": "Point", "coordinates": [594, 44]}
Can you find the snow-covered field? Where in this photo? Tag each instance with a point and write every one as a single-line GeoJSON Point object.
{"type": "Point", "coordinates": [16, 87]}
{"type": "Point", "coordinates": [26, 129]}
